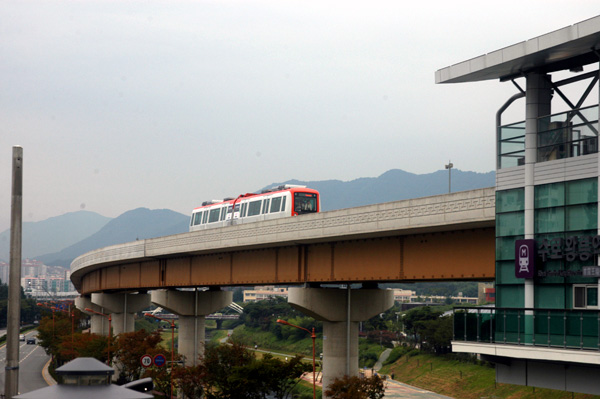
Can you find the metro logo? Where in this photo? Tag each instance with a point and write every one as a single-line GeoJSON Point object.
{"type": "Point", "coordinates": [524, 258]}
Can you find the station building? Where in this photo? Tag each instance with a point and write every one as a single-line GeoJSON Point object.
{"type": "Point", "coordinates": [545, 328]}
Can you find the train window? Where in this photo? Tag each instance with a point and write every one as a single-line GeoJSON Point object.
{"type": "Point", "coordinates": [204, 217]}
{"type": "Point", "coordinates": [197, 218]}
{"type": "Point", "coordinates": [244, 207]}
{"type": "Point", "coordinates": [283, 204]}
{"type": "Point", "coordinates": [266, 206]}
{"type": "Point", "coordinates": [275, 204]}
{"type": "Point", "coordinates": [223, 212]}
{"type": "Point", "coordinates": [214, 215]}
{"type": "Point", "coordinates": [254, 208]}
{"type": "Point", "coordinates": [305, 203]}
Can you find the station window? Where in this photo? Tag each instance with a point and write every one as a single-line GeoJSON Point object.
{"type": "Point", "coordinates": [585, 296]}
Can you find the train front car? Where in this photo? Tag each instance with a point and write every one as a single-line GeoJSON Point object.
{"type": "Point", "coordinates": [305, 201]}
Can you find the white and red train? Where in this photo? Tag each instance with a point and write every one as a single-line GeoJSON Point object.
{"type": "Point", "coordinates": [283, 201]}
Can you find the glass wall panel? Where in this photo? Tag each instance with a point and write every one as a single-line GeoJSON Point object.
{"type": "Point", "coordinates": [549, 296]}
{"type": "Point", "coordinates": [505, 247]}
{"type": "Point", "coordinates": [582, 191]}
{"type": "Point", "coordinates": [505, 273]}
{"type": "Point", "coordinates": [581, 217]}
{"type": "Point", "coordinates": [549, 195]}
{"type": "Point", "coordinates": [510, 296]}
{"type": "Point", "coordinates": [510, 200]}
{"type": "Point", "coordinates": [510, 224]}
{"type": "Point", "coordinates": [549, 220]}
{"type": "Point", "coordinates": [568, 134]}
{"type": "Point", "coordinates": [511, 146]}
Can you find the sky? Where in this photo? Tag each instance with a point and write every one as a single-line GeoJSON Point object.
{"type": "Point", "coordinates": [165, 104]}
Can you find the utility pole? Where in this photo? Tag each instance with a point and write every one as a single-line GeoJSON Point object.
{"type": "Point", "coordinates": [11, 379]}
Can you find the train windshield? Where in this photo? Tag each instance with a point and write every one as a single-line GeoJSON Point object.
{"type": "Point", "coordinates": [305, 203]}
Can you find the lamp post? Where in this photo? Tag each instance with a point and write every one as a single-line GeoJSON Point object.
{"type": "Point", "coordinates": [109, 327]}
{"type": "Point", "coordinates": [172, 344]}
{"type": "Point", "coordinates": [449, 167]}
{"type": "Point", "coordinates": [313, 336]}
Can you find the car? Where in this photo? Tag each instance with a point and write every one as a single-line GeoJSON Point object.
{"type": "Point", "coordinates": [30, 341]}
{"type": "Point", "coordinates": [21, 337]}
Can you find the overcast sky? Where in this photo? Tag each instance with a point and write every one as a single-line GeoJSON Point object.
{"type": "Point", "coordinates": [164, 104]}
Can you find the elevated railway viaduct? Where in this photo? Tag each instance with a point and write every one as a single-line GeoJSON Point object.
{"type": "Point", "coordinates": [445, 237]}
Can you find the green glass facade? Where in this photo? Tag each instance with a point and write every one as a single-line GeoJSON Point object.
{"type": "Point", "coordinates": [562, 210]}
{"type": "Point", "coordinates": [510, 225]}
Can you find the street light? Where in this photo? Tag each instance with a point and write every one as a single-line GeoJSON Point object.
{"type": "Point", "coordinates": [449, 167]}
{"type": "Point", "coordinates": [313, 336]}
{"type": "Point", "coordinates": [109, 327]}
{"type": "Point", "coordinates": [172, 344]}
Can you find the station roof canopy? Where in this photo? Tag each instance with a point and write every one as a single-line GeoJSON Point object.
{"type": "Point", "coordinates": [574, 46]}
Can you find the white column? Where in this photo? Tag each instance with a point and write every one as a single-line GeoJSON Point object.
{"type": "Point", "coordinates": [329, 305]}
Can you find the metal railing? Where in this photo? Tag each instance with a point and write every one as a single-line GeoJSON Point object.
{"type": "Point", "coordinates": [557, 328]}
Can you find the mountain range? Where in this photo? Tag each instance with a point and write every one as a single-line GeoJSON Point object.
{"type": "Point", "coordinates": [58, 240]}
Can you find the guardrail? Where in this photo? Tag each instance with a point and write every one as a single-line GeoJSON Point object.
{"type": "Point", "coordinates": [558, 328]}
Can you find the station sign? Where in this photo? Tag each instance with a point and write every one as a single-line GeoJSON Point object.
{"type": "Point", "coordinates": [525, 258]}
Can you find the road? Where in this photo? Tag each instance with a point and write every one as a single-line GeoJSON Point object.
{"type": "Point", "coordinates": [32, 361]}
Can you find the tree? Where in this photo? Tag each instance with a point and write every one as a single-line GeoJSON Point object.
{"type": "Point", "coordinates": [131, 347]}
{"type": "Point", "coordinates": [412, 319]}
{"type": "Point", "coordinates": [233, 372]}
{"type": "Point", "coordinates": [437, 333]}
{"type": "Point", "coordinates": [279, 377]}
{"type": "Point", "coordinates": [191, 380]}
{"type": "Point", "coordinates": [161, 377]}
{"type": "Point", "coordinates": [356, 388]}
{"type": "Point", "coordinates": [221, 366]}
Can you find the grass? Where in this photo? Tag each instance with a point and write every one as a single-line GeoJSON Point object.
{"type": "Point", "coordinates": [266, 340]}
{"type": "Point", "coordinates": [449, 376]}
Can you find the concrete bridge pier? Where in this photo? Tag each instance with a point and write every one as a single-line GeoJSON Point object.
{"type": "Point", "coordinates": [340, 311]}
{"type": "Point", "coordinates": [122, 307]}
{"type": "Point", "coordinates": [98, 324]}
{"type": "Point", "coordinates": [192, 307]}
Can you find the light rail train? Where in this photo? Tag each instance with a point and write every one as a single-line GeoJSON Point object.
{"type": "Point", "coordinates": [283, 201]}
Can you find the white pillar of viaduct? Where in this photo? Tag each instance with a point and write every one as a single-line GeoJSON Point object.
{"type": "Point", "coordinates": [330, 305]}
{"type": "Point", "coordinates": [192, 307]}
{"type": "Point", "coordinates": [98, 324]}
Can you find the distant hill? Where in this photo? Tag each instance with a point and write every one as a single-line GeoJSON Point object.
{"type": "Point", "coordinates": [393, 185]}
{"type": "Point", "coordinates": [132, 225]}
{"type": "Point", "coordinates": [53, 234]}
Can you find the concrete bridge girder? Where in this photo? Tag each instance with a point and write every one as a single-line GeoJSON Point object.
{"type": "Point", "coordinates": [122, 307]}
{"type": "Point", "coordinates": [98, 324]}
{"type": "Point", "coordinates": [340, 335]}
